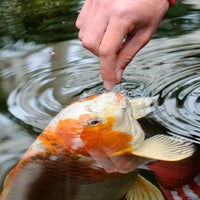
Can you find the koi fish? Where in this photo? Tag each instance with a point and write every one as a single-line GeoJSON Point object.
{"type": "Point", "coordinates": [91, 150]}
{"type": "Point", "coordinates": [180, 179]}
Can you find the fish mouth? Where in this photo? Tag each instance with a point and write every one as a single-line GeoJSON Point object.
{"type": "Point", "coordinates": [122, 98]}
{"type": "Point", "coordinates": [130, 125]}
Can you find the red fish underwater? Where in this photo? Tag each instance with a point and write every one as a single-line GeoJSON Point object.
{"type": "Point", "coordinates": [180, 179]}
{"type": "Point", "coordinates": [91, 151]}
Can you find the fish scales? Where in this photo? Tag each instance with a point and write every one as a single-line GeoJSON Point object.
{"type": "Point", "coordinates": [91, 150]}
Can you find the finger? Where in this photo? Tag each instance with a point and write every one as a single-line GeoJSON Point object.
{"type": "Point", "coordinates": [92, 32]}
{"type": "Point", "coordinates": [130, 48]}
{"type": "Point", "coordinates": [108, 49]}
{"type": "Point", "coordinates": [83, 13]}
{"type": "Point", "coordinates": [92, 29]}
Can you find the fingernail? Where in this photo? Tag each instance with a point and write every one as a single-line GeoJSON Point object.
{"type": "Point", "coordinates": [108, 85]}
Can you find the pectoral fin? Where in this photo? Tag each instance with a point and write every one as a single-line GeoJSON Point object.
{"type": "Point", "coordinates": [141, 106]}
{"type": "Point", "coordinates": [166, 148]}
{"type": "Point", "coordinates": [143, 190]}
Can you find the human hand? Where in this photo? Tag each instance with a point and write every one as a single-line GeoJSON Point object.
{"type": "Point", "coordinates": [115, 30]}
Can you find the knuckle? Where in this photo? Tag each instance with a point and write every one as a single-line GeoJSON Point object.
{"type": "Point", "coordinates": [87, 43]}
{"type": "Point", "coordinates": [104, 50]}
{"type": "Point", "coordinates": [121, 10]}
{"type": "Point", "coordinates": [90, 45]}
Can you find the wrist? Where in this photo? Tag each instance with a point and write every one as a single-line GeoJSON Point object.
{"type": "Point", "coordinates": [171, 2]}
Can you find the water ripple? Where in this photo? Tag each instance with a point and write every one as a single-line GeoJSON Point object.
{"type": "Point", "coordinates": [178, 108]}
{"type": "Point", "coordinates": [73, 73]}
{"type": "Point", "coordinates": [40, 97]}
{"type": "Point", "coordinates": [166, 67]}
{"type": "Point", "coordinates": [175, 77]}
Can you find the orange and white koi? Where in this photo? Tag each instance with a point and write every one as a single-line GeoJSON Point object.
{"type": "Point", "coordinates": [91, 150]}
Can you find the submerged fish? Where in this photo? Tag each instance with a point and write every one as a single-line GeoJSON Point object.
{"type": "Point", "coordinates": [180, 179]}
{"type": "Point", "coordinates": [91, 150]}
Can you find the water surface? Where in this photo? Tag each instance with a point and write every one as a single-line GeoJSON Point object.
{"type": "Point", "coordinates": [43, 68]}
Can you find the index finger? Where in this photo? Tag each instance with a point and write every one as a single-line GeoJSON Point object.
{"type": "Point", "coordinates": [110, 45]}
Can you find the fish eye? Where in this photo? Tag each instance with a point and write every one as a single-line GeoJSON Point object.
{"type": "Point", "coordinates": [94, 122]}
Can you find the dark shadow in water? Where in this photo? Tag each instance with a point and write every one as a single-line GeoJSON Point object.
{"type": "Point", "coordinates": [38, 20]}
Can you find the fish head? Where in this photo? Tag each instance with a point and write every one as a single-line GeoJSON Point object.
{"type": "Point", "coordinates": [99, 126]}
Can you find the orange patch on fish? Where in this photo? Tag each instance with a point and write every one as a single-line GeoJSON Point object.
{"type": "Point", "coordinates": [99, 139]}
{"type": "Point", "coordinates": [102, 140]}
{"type": "Point", "coordinates": [69, 131]}
{"type": "Point", "coordinates": [119, 96]}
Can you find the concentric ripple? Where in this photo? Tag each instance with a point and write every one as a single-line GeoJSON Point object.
{"type": "Point", "coordinates": [175, 78]}
{"type": "Point", "coordinates": [167, 68]}
{"type": "Point", "coordinates": [179, 104]}
{"type": "Point", "coordinates": [37, 100]}
{"type": "Point", "coordinates": [44, 92]}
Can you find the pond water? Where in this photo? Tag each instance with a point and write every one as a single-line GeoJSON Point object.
{"type": "Point", "coordinates": [43, 68]}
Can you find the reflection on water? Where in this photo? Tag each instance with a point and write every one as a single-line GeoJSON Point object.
{"type": "Point", "coordinates": [44, 91]}
{"type": "Point", "coordinates": [174, 77]}
{"type": "Point", "coordinates": [38, 79]}
{"type": "Point", "coordinates": [38, 20]}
